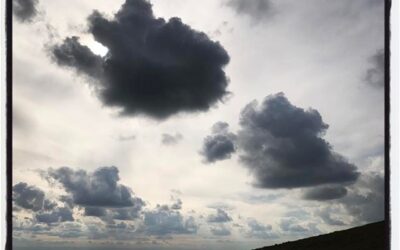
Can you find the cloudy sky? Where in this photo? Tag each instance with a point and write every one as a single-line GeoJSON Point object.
{"type": "Point", "coordinates": [218, 124]}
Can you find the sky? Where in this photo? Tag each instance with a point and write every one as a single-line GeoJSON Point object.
{"type": "Point", "coordinates": [215, 124]}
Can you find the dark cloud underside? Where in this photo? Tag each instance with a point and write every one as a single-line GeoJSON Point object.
{"type": "Point", "coordinates": [281, 144]}
{"type": "Point", "coordinates": [25, 10]}
{"type": "Point", "coordinates": [325, 193]}
{"type": "Point", "coordinates": [153, 67]}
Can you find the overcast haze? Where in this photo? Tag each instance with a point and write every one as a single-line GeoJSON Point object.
{"type": "Point", "coordinates": [218, 124]}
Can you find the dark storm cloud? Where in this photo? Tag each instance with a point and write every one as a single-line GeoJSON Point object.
{"type": "Point", "coordinates": [59, 214]}
{"type": "Point", "coordinates": [164, 221]}
{"type": "Point", "coordinates": [153, 67]}
{"type": "Point", "coordinates": [325, 193]}
{"type": "Point", "coordinates": [220, 145]}
{"type": "Point", "coordinates": [281, 144]}
{"type": "Point", "coordinates": [28, 197]}
{"type": "Point", "coordinates": [25, 10]}
{"type": "Point", "coordinates": [220, 217]}
{"type": "Point", "coordinates": [366, 200]}
{"type": "Point", "coordinates": [73, 54]}
{"type": "Point", "coordinates": [375, 76]}
{"type": "Point", "coordinates": [257, 10]}
{"type": "Point", "coordinates": [97, 189]}
{"type": "Point", "coordinates": [168, 139]}
{"type": "Point", "coordinates": [31, 197]}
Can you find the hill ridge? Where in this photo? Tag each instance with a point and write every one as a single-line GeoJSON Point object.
{"type": "Point", "coordinates": [366, 237]}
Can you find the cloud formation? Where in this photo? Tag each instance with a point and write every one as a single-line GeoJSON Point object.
{"type": "Point", "coordinates": [375, 76]}
{"type": "Point", "coordinates": [327, 215]}
{"type": "Point", "coordinates": [99, 188]}
{"type": "Point", "coordinates": [220, 217]}
{"type": "Point", "coordinates": [257, 10]}
{"type": "Point", "coordinates": [25, 10]}
{"type": "Point", "coordinates": [153, 67]}
{"type": "Point", "coordinates": [164, 221]}
{"type": "Point", "coordinates": [59, 214]}
{"type": "Point", "coordinates": [325, 193]}
{"type": "Point", "coordinates": [168, 139]}
{"type": "Point", "coordinates": [258, 230]}
{"type": "Point", "coordinates": [281, 145]}
{"type": "Point", "coordinates": [31, 198]}
{"type": "Point", "coordinates": [220, 145]}
{"type": "Point", "coordinates": [28, 197]}
{"type": "Point", "coordinates": [366, 200]}
{"type": "Point", "coordinates": [220, 231]}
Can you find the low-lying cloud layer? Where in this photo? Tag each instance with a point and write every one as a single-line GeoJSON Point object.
{"type": "Point", "coordinates": [281, 145]}
{"type": "Point", "coordinates": [153, 67]}
{"type": "Point", "coordinates": [112, 210]}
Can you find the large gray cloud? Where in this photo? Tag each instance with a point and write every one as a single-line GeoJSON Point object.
{"type": "Point", "coordinates": [153, 67]}
{"type": "Point", "coordinates": [257, 10]}
{"type": "Point", "coordinates": [375, 76]}
{"type": "Point", "coordinates": [281, 144]}
{"type": "Point", "coordinates": [99, 188]}
{"type": "Point", "coordinates": [220, 145]}
{"type": "Point", "coordinates": [325, 193]}
{"type": "Point", "coordinates": [28, 197]}
{"type": "Point", "coordinates": [164, 221]}
{"type": "Point", "coordinates": [25, 10]}
{"type": "Point", "coordinates": [31, 197]}
{"type": "Point", "coordinates": [219, 217]}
